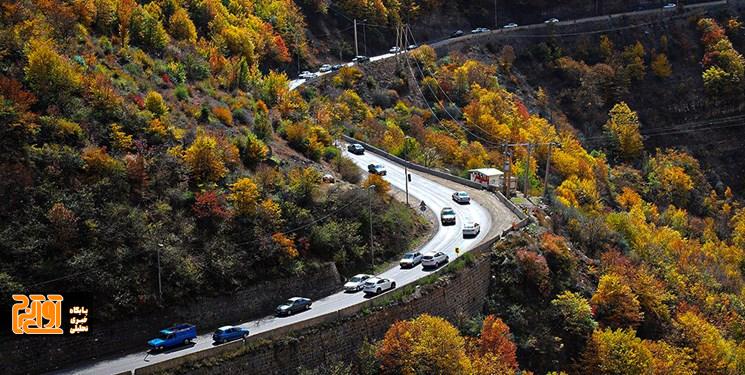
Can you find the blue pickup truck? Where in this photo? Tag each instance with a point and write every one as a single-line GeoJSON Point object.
{"type": "Point", "coordinates": [171, 337]}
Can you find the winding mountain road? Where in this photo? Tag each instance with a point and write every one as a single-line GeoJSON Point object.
{"type": "Point", "coordinates": [484, 209]}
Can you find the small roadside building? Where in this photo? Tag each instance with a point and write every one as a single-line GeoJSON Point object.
{"type": "Point", "coordinates": [490, 178]}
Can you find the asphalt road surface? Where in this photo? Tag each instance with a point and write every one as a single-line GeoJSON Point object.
{"type": "Point", "coordinates": [446, 239]}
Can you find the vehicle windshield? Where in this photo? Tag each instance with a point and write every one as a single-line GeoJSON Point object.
{"type": "Point", "coordinates": [289, 302]}
{"type": "Point", "coordinates": [408, 256]}
{"type": "Point", "coordinates": [447, 211]}
{"type": "Point", "coordinates": [355, 279]}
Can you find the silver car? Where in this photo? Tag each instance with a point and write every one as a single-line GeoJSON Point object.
{"type": "Point", "coordinates": [510, 25]}
{"type": "Point", "coordinates": [325, 68]}
{"type": "Point", "coordinates": [447, 216]}
{"type": "Point", "coordinates": [471, 229]}
{"type": "Point", "coordinates": [377, 285]}
{"type": "Point", "coordinates": [411, 259]}
{"type": "Point", "coordinates": [461, 197]}
{"type": "Point", "coordinates": [356, 283]}
{"type": "Point", "coordinates": [434, 259]}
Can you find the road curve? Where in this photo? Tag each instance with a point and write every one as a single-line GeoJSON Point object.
{"type": "Point", "coordinates": [446, 239]}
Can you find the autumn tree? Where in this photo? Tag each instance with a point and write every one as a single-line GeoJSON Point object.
{"type": "Point", "coordinates": [633, 56]}
{"type": "Point", "coordinates": [52, 77]}
{"type": "Point", "coordinates": [615, 304]}
{"type": "Point", "coordinates": [494, 351]}
{"type": "Point", "coordinates": [154, 103]}
{"type": "Point", "coordinates": [181, 27]}
{"type": "Point", "coordinates": [252, 149]}
{"type": "Point", "coordinates": [425, 345]}
{"type": "Point", "coordinates": [244, 196]}
{"type": "Point", "coordinates": [661, 66]}
{"type": "Point", "coordinates": [623, 129]}
{"type": "Point", "coordinates": [575, 312]}
{"type": "Point", "coordinates": [146, 29]}
{"type": "Point", "coordinates": [204, 160]}
{"type": "Point", "coordinates": [616, 352]}
{"type": "Point", "coordinates": [347, 77]}
{"type": "Point", "coordinates": [382, 187]}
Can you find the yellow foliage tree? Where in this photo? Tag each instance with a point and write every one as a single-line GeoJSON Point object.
{"type": "Point", "coordinates": [244, 196]}
{"type": "Point", "coordinates": [623, 128]}
{"type": "Point", "coordinates": [204, 160]}
{"type": "Point", "coordinates": [181, 27]}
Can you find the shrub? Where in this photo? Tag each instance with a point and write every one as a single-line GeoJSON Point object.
{"type": "Point", "coordinates": [204, 159]}
{"type": "Point", "coordinates": [181, 92]}
{"type": "Point", "coordinates": [51, 76]}
{"type": "Point", "coordinates": [154, 103]}
{"type": "Point", "coordinates": [349, 171]}
{"type": "Point", "coordinates": [251, 148]}
{"type": "Point", "coordinates": [330, 153]}
{"type": "Point", "coordinates": [347, 77]}
{"type": "Point", "coordinates": [223, 114]}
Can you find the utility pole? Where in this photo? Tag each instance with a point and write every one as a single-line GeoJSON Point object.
{"type": "Point", "coordinates": [406, 176]}
{"type": "Point", "coordinates": [496, 25]}
{"type": "Point", "coordinates": [369, 201]}
{"type": "Point", "coordinates": [548, 166]}
{"type": "Point", "coordinates": [507, 168]}
{"type": "Point", "coordinates": [364, 34]}
{"type": "Point", "coordinates": [356, 50]}
{"type": "Point", "coordinates": [297, 52]}
{"type": "Point", "coordinates": [527, 172]}
{"type": "Point", "coordinates": [160, 284]}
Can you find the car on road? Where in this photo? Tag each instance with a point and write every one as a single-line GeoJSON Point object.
{"type": "Point", "coordinates": [434, 259]}
{"type": "Point", "coordinates": [447, 216]}
{"type": "Point", "coordinates": [510, 25]}
{"type": "Point", "coordinates": [377, 169]}
{"type": "Point", "coordinates": [461, 197]}
{"type": "Point", "coordinates": [229, 333]}
{"type": "Point", "coordinates": [411, 47]}
{"type": "Point", "coordinates": [471, 229]}
{"type": "Point", "coordinates": [325, 68]}
{"type": "Point", "coordinates": [307, 75]}
{"type": "Point", "coordinates": [172, 337]}
{"type": "Point", "coordinates": [336, 67]}
{"type": "Point", "coordinates": [356, 148]}
{"type": "Point", "coordinates": [457, 34]}
{"type": "Point", "coordinates": [356, 283]}
{"type": "Point", "coordinates": [479, 30]}
{"type": "Point", "coordinates": [395, 49]}
{"type": "Point", "coordinates": [411, 259]}
{"type": "Point", "coordinates": [377, 285]}
{"type": "Point", "coordinates": [293, 305]}
{"type": "Point", "coordinates": [360, 59]}
{"type": "Point", "coordinates": [551, 20]}
{"type": "Point", "coordinates": [670, 6]}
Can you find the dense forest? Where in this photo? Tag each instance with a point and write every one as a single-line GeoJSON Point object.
{"type": "Point", "coordinates": [635, 266]}
{"type": "Point", "coordinates": [132, 128]}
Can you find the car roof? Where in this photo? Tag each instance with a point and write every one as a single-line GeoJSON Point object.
{"type": "Point", "coordinates": [225, 328]}
{"type": "Point", "coordinates": [374, 279]}
{"type": "Point", "coordinates": [447, 209]}
{"type": "Point", "coordinates": [297, 298]}
{"type": "Point", "coordinates": [361, 275]}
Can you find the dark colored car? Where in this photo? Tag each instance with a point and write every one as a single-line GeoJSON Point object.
{"type": "Point", "coordinates": [447, 216]}
{"type": "Point", "coordinates": [293, 305]}
{"type": "Point", "coordinates": [356, 149]}
{"type": "Point", "coordinates": [229, 333]}
{"type": "Point", "coordinates": [457, 34]}
{"type": "Point", "coordinates": [336, 67]}
{"type": "Point", "coordinates": [377, 169]}
{"type": "Point", "coordinates": [361, 59]}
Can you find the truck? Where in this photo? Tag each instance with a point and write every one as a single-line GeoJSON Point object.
{"type": "Point", "coordinates": [181, 334]}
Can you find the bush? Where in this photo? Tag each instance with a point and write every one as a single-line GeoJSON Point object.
{"type": "Point", "coordinates": [154, 103]}
{"type": "Point", "coordinates": [330, 153]}
{"type": "Point", "coordinates": [181, 92]}
{"type": "Point", "coordinates": [349, 171]}
{"type": "Point", "coordinates": [223, 114]}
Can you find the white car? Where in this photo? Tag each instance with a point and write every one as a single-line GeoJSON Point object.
{"type": "Point", "coordinates": [325, 68]}
{"type": "Point", "coordinates": [307, 75]}
{"type": "Point", "coordinates": [461, 197]}
{"type": "Point", "coordinates": [434, 259]}
{"type": "Point", "coordinates": [670, 6]}
{"type": "Point", "coordinates": [377, 285]}
{"type": "Point", "coordinates": [395, 49]}
{"type": "Point", "coordinates": [356, 283]}
{"type": "Point", "coordinates": [511, 25]}
{"type": "Point", "coordinates": [479, 30]}
{"type": "Point", "coordinates": [412, 46]}
{"type": "Point", "coordinates": [551, 20]}
{"type": "Point", "coordinates": [471, 229]}
{"type": "Point", "coordinates": [411, 259]}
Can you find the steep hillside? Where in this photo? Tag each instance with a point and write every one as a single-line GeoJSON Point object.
{"type": "Point", "coordinates": [132, 130]}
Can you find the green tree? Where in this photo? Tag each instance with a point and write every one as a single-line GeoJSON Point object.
{"type": "Point", "coordinates": [575, 312]}
{"type": "Point", "coordinates": [181, 27]}
{"type": "Point", "coordinates": [147, 31]}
